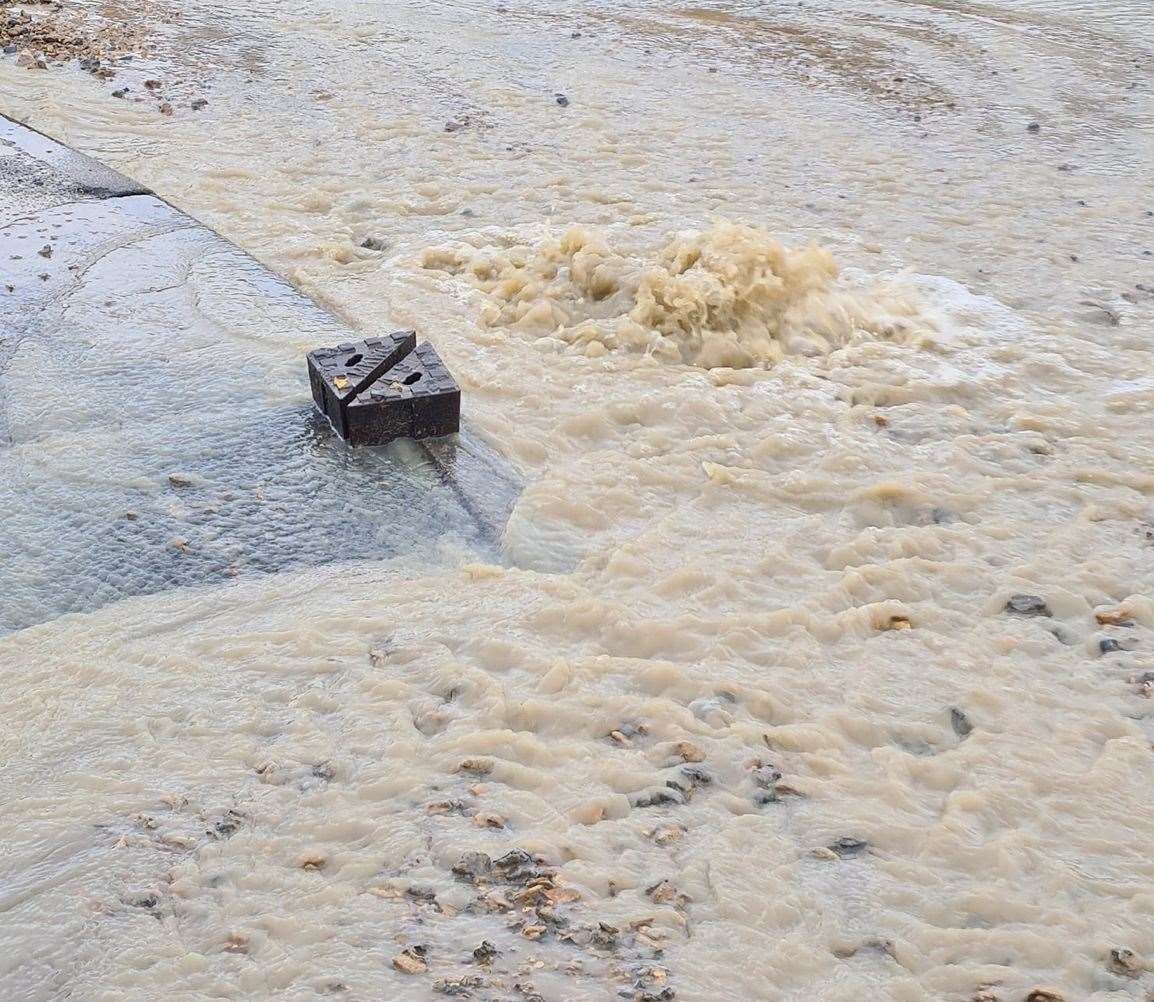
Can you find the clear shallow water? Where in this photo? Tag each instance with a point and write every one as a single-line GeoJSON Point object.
{"type": "Point", "coordinates": [703, 555]}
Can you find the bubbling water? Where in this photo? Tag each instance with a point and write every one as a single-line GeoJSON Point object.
{"type": "Point", "coordinates": [731, 296]}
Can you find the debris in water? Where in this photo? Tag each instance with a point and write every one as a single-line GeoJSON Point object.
{"type": "Point", "coordinates": [411, 960]}
{"type": "Point", "coordinates": [462, 986]}
{"type": "Point", "coordinates": [473, 866]}
{"type": "Point", "coordinates": [486, 953]}
{"type": "Point", "coordinates": [1114, 617]}
{"type": "Point", "coordinates": [1124, 962]}
{"type": "Point", "coordinates": [847, 846]}
{"type": "Point", "coordinates": [1028, 605]}
{"type": "Point", "coordinates": [658, 798]}
{"type": "Point", "coordinates": [960, 723]}
{"type": "Point", "coordinates": [476, 766]}
{"type": "Point", "coordinates": [689, 752]}
{"type": "Point", "coordinates": [141, 899]}
{"type": "Point", "coordinates": [664, 893]}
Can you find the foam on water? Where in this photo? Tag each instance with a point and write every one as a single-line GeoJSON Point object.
{"type": "Point", "coordinates": [728, 297]}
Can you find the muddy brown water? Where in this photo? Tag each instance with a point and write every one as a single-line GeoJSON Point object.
{"type": "Point", "coordinates": [741, 678]}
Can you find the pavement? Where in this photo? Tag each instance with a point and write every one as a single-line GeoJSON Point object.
{"type": "Point", "coordinates": [156, 425]}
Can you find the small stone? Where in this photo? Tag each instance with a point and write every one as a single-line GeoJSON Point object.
{"type": "Point", "coordinates": [485, 954]}
{"type": "Point", "coordinates": [473, 865]}
{"type": "Point", "coordinates": [152, 84]}
{"type": "Point", "coordinates": [228, 825]}
{"type": "Point", "coordinates": [180, 480]}
{"type": "Point", "coordinates": [658, 798]}
{"type": "Point", "coordinates": [766, 776]}
{"type": "Point", "coordinates": [847, 846]}
{"type": "Point", "coordinates": [516, 864]}
{"type": "Point", "coordinates": [476, 766]}
{"type": "Point", "coordinates": [122, 93]}
{"type": "Point", "coordinates": [374, 244]}
{"type": "Point", "coordinates": [1033, 127]}
{"type": "Point", "coordinates": [462, 986]}
{"type": "Point", "coordinates": [534, 931]}
{"type": "Point", "coordinates": [495, 901]}
{"type": "Point", "coordinates": [1044, 995]}
{"type": "Point", "coordinates": [141, 899]}
{"type": "Point", "coordinates": [199, 104]}
{"type": "Point", "coordinates": [563, 100]}
{"type": "Point", "coordinates": [1028, 605]}
{"type": "Point", "coordinates": [664, 893]}
{"type": "Point", "coordinates": [696, 776]}
{"type": "Point", "coordinates": [313, 860]}
{"type": "Point", "coordinates": [484, 820]}
{"type": "Point", "coordinates": [562, 895]}
{"type": "Point", "coordinates": [960, 723]}
{"type": "Point", "coordinates": [165, 108]}
{"type": "Point", "coordinates": [1109, 645]}
{"type": "Point", "coordinates": [236, 943]}
{"type": "Point", "coordinates": [689, 752]}
{"type": "Point", "coordinates": [1114, 617]}
{"type": "Point", "coordinates": [1124, 962]}
{"type": "Point", "coordinates": [45, 251]}
{"type": "Point", "coordinates": [411, 961]}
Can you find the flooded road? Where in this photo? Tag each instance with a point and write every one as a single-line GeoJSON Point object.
{"type": "Point", "coordinates": [816, 660]}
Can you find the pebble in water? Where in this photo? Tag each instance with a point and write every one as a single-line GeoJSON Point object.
{"type": "Point", "coordinates": [960, 723]}
{"type": "Point", "coordinates": [1028, 605]}
{"type": "Point", "coordinates": [411, 960]}
{"type": "Point", "coordinates": [1124, 962]}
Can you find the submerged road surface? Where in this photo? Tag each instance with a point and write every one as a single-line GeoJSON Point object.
{"type": "Point", "coordinates": [156, 428]}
